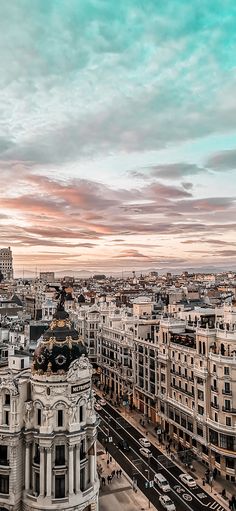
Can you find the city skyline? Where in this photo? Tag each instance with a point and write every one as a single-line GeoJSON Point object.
{"type": "Point", "coordinates": [117, 142]}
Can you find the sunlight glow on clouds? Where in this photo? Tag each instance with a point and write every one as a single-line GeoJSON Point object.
{"type": "Point", "coordinates": [117, 123]}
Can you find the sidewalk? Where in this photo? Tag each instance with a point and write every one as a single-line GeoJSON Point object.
{"type": "Point", "coordinates": [118, 494]}
{"type": "Point", "coordinates": [199, 468]}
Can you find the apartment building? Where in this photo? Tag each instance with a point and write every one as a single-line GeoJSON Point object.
{"type": "Point", "coordinates": [179, 370]}
{"type": "Point", "coordinates": [197, 395]}
{"type": "Point", "coordinates": [6, 263]}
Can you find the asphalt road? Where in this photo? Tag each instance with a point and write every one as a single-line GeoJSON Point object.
{"type": "Point", "coordinates": [114, 426]}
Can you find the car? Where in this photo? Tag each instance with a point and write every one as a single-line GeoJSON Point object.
{"type": "Point", "coordinates": [188, 480]}
{"type": "Point", "coordinates": [144, 442]}
{"type": "Point", "coordinates": [145, 452]}
{"type": "Point", "coordinates": [123, 445]}
{"type": "Point", "coordinates": [97, 407]}
{"type": "Point", "coordinates": [102, 402]}
{"type": "Point", "coordinates": [161, 482]}
{"type": "Point", "coordinates": [167, 503]}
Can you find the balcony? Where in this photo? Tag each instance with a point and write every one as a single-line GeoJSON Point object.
{"type": "Point", "coordinates": [214, 389]}
{"type": "Point", "coordinates": [215, 405]}
{"type": "Point", "coordinates": [228, 410]}
{"type": "Point", "coordinates": [217, 357]}
{"type": "Point", "coordinates": [4, 462]}
{"type": "Point", "coordinates": [227, 392]}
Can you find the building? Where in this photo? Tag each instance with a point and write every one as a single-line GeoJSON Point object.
{"type": "Point", "coordinates": [48, 427]}
{"type": "Point", "coordinates": [178, 369]}
{"type": "Point", "coordinates": [47, 276]}
{"type": "Point", "coordinates": [6, 263]}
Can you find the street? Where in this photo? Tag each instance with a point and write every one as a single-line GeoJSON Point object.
{"type": "Point", "coordinates": [113, 427]}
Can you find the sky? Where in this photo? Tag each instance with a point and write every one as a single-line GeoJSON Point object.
{"type": "Point", "coordinates": [118, 134]}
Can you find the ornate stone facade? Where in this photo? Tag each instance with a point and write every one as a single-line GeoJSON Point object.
{"type": "Point", "coordinates": [48, 429]}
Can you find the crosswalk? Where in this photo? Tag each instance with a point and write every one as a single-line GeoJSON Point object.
{"type": "Point", "coordinates": [216, 507]}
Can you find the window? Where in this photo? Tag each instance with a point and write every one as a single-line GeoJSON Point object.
{"type": "Point", "coordinates": [59, 418]}
{"type": "Point", "coordinates": [82, 479]}
{"type": "Point", "coordinates": [7, 399]}
{"type": "Point", "coordinates": [37, 488]}
{"type": "Point", "coordinates": [22, 363]}
{"type": "Point", "coordinates": [228, 421]}
{"type": "Point", "coordinates": [3, 455]}
{"type": "Point", "coordinates": [200, 395]}
{"type": "Point", "coordinates": [227, 404]}
{"type": "Point", "coordinates": [60, 455]}
{"type": "Point", "coordinates": [81, 413]}
{"type": "Point", "coordinates": [39, 416]}
{"type": "Point", "coordinates": [199, 431]}
{"type": "Point", "coordinates": [6, 418]}
{"type": "Point", "coordinates": [4, 484]}
{"type": "Point", "coordinates": [192, 360]}
{"type": "Point", "coordinates": [59, 487]}
{"type": "Point", "coordinates": [214, 368]}
{"type": "Point", "coordinates": [226, 371]}
{"type": "Point", "coordinates": [227, 388]}
{"type": "Point", "coordinates": [200, 410]}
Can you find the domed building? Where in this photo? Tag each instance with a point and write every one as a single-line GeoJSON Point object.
{"type": "Point", "coordinates": [48, 427]}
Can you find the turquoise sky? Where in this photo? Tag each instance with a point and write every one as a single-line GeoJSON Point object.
{"type": "Point", "coordinates": [118, 133]}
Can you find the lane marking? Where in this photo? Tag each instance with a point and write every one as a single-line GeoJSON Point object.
{"type": "Point", "coordinates": [137, 469]}
{"type": "Point", "coordinates": [151, 469]}
{"type": "Point", "coordinates": [172, 475]}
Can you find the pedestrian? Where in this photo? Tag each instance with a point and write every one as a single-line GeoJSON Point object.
{"type": "Point", "coordinates": [108, 463]}
{"type": "Point", "coordinates": [113, 473]}
{"type": "Point", "coordinates": [120, 472]}
{"type": "Point", "coordinates": [214, 473]}
{"type": "Point", "coordinates": [140, 422]}
{"type": "Point", "coordinates": [146, 433]}
{"type": "Point", "coordinates": [106, 450]}
{"type": "Point", "coordinates": [110, 459]}
{"type": "Point", "coordinates": [117, 474]}
{"type": "Point", "coordinates": [103, 481]}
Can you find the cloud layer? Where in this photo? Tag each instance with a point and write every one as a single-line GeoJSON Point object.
{"type": "Point", "coordinates": [149, 86]}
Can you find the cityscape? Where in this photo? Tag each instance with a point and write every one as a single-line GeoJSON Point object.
{"type": "Point", "coordinates": [118, 255]}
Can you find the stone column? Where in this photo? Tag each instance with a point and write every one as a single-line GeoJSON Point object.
{"type": "Point", "coordinates": [42, 472]}
{"type": "Point", "coordinates": [71, 469]}
{"type": "Point", "coordinates": [27, 467]}
{"type": "Point", "coordinates": [49, 471]}
{"type": "Point", "coordinates": [77, 469]}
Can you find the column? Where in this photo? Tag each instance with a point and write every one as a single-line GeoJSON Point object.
{"type": "Point", "coordinates": [27, 467]}
{"type": "Point", "coordinates": [49, 471]}
{"type": "Point", "coordinates": [77, 469]}
{"type": "Point", "coordinates": [42, 472]}
{"type": "Point", "coordinates": [71, 469]}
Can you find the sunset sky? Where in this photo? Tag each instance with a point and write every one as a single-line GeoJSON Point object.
{"type": "Point", "coordinates": [118, 134]}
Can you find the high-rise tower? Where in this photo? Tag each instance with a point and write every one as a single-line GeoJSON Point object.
{"type": "Point", "coordinates": [6, 266]}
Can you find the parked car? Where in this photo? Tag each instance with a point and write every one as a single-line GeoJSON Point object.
{"type": "Point", "coordinates": [188, 480]}
{"type": "Point", "coordinates": [161, 482]}
{"type": "Point", "coordinates": [167, 503]}
{"type": "Point", "coordinates": [102, 402]}
{"type": "Point", "coordinates": [97, 407]}
{"type": "Point", "coordinates": [124, 446]}
{"type": "Point", "coordinates": [144, 442]}
{"type": "Point", "coordinates": [145, 452]}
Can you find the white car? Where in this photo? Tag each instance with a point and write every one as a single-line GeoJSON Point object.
{"type": "Point", "coordinates": [145, 452]}
{"type": "Point", "coordinates": [161, 482]}
{"type": "Point", "coordinates": [167, 503]}
{"type": "Point", "coordinates": [97, 407]}
{"type": "Point", "coordinates": [102, 402]}
{"type": "Point", "coordinates": [188, 480]}
{"type": "Point", "coordinates": [144, 442]}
